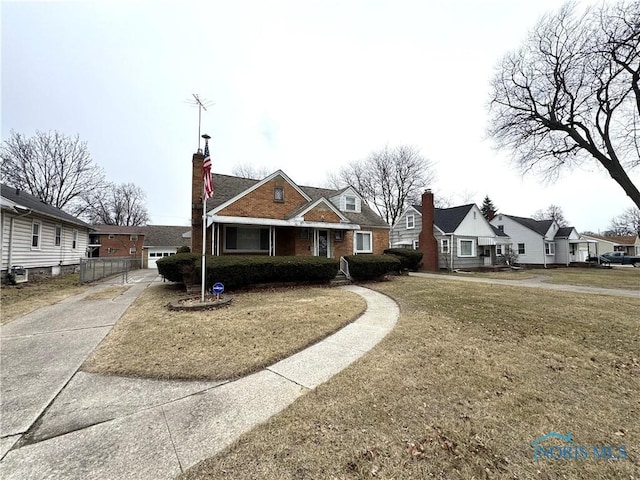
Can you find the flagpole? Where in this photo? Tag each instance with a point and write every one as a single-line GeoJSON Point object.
{"type": "Point", "coordinates": [205, 194]}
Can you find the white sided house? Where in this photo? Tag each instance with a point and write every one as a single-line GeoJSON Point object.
{"type": "Point", "coordinates": [37, 238]}
{"type": "Point", "coordinates": [541, 242]}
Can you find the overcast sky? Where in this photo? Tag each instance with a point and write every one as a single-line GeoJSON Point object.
{"type": "Point", "coordinates": [302, 86]}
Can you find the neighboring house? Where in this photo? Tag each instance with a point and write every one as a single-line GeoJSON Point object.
{"type": "Point", "coordinates": [629, 244]}
{"type": "Point", "coordinates": [542, 242]}
{"type": "Point", "coordinates": [38, 237]}
{"type": "Point", "coordinates": [116, 241]}
{"type": "Point", "coordinates": [162, 241]}
{"type": "Point", "coordinates": [275, 216]}
{"type": "Point", "coordinates": [464, 237]}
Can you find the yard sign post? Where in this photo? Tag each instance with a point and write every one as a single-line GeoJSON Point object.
{"type": "Point", "coordinates": [207, 192]}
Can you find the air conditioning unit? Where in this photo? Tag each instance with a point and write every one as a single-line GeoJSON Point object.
{"type": "Point", "coordinates": [20, 274]}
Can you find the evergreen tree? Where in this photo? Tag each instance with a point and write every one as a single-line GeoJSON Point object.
{"type": "Point", "coordinates": [488, 209]}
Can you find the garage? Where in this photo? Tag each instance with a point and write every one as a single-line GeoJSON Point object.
{"type": "Point", "coordinates": [156, 254]}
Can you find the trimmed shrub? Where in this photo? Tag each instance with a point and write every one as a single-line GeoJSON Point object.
{"type": "Point", "coordinates": [183, 249]}
{"type": "Point", "coordinates": [409, 259]}
{"type": "Point", "coordinates": [371, 267]}
{"type": "Point", "coordinates": [175, 267]}
{"type": "Point", "coordinates": [242, 270]}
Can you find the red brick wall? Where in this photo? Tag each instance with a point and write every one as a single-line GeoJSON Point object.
{"type": "Point", "coordinates": [196, 204]}
{"type": "Point", "coordinates": [121, 244]}
{"type": "Point", "coordinates": [260, 203]}
{"type": "Point", "coordinates": [321, 213]}
{"type": "Point", "coordinates": [427, 243]}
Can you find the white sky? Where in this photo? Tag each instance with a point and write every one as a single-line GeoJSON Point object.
{"type": "Point", "coordinates": [303, 86]}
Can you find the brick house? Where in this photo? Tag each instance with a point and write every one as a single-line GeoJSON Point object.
{"type": "Point", "coordinates": [275, 216]}
{"type": "Point", "coordinates": [116, 241]}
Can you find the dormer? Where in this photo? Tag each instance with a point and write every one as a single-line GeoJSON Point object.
{"type": "Point", "coordinates": [348, 201]}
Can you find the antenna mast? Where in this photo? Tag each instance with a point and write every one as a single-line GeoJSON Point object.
{"type": "Point", "coordinates": [202, 104]}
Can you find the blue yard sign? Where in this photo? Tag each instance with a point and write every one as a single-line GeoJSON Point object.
{"type": "Point", "coordinates": [217, 288]}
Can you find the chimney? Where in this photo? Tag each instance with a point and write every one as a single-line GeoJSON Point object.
{"type": "Point", "coordinates": [428, 244]}
{"type": "Point", "coordinates": [197, 187]}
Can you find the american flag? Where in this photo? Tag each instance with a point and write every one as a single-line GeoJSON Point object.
{"type": "Point", "coordinates": [206, 172]}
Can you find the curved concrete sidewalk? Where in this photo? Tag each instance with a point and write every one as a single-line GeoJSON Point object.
{"type": "Point", "coordinates": [536, 282]}
{"type": "Point", "coordinates": [91, 426]}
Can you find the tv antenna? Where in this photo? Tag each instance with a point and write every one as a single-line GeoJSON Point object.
{"type": "Point", "coordinates": [202, 104]}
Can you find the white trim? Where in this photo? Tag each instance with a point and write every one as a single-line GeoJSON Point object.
{"type": "Point", "coordinates": [38, 236]}
{"type": "Point", "coordinates": [442, 242]}
{"type": "Point", "coordinates": [355, 242]}
{"type": "Point", "coordinates": [413, 222]}
{"type": "Point", "coordinates": [55, 236]}
{"type": "Point", "coordinates": [473, 248]}
{"type": "Point", "coordinates": [258, 185]}
{"type": "Point", "coordinates": [328, 204]}
{"type": "Point", "coordinates": [274, 222]}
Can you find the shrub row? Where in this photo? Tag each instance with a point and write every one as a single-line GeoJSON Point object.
{"type": "Point", "coordinates": [371, 267]}
{"type": "Point", "coordinates": [409, 259]}
{"type": "Point", "coordinates": [236, 271]}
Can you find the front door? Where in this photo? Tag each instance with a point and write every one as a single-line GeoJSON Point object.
{"type": "Point", "coordinates": [322, 243]}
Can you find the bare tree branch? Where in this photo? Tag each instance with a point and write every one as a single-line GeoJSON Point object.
{"type": "Point", "coordinates": [572, 93]}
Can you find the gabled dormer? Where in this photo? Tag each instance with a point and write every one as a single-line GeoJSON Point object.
{"type": "Point", "coordinates": [348, 201]}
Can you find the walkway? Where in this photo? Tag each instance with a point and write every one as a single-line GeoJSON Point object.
{"type": "Point", "coordinates": [58, 422]}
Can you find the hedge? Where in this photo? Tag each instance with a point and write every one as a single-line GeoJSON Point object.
{"type": "Point", "coordinates": [409, 259]}
{"type": "Point", "coordinates": [236, 271]}
{"type": "Point", "coordinates": [371, 267]}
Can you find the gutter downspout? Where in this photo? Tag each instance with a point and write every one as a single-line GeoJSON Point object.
{"type": "Point", "coordinates": [451, 252]}
{"type": "Point", "coordinates": [544, 252]}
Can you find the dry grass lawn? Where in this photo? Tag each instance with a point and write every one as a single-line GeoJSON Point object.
{"type": "Point", "coordinates": [256, 330]}
{"type": "Point", "coordinates": [625, 278]}
{"type": "Point", "coordinates": [18, 300]}
{"type": "Point", "coordinates": [470, 376]}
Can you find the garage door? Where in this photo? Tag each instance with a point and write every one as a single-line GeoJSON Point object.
{"type": "Point", "coordinates": [155, 256]}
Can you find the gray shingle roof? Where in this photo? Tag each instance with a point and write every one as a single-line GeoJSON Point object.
{"type": "Point", "coordinates": [448, 219]}
{"type": "Point", "coordinates": [538, 226]}
{"type": "Point", "coordinates": [166, 236]}
{"type": "Point", "coordinates": [38, 206]}
{"type": "Point", "coordinates": [226, 187]}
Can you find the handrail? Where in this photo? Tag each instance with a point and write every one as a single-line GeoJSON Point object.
{"type": "Point", "coordinates": [344, 267]}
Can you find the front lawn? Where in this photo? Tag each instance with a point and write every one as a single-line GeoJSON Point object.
{"type": "Point", "coordinates": [469, 378]}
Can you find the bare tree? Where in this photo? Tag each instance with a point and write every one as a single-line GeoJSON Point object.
{"type": "Point", "coordinates": [122, 204]}
{"type": "Point", "coordinates": [553, 212]}
{"type": "Point", "coordinates": [51, 166]}
{"type": "Point", "coordinates": [246, 170]}
{"type": "Point", "coordinates": [388, 179]}
{"type": "Point", "coordinates": [627, 223]}
{"type": "Point", "coordinates": [572, 92]}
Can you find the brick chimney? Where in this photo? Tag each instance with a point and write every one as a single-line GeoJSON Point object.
{"type": "Point", "coordinates": [428, 244]}
{"type": "Point", "coordinates": [197, 187]}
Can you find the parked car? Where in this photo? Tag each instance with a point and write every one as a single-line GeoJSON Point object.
{"type": "Point", "coordinates": [622, 258]}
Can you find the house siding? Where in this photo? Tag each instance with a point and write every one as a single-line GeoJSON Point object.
{"type": "Point", "coordinates": [444, 260]}
{"type": "Point", "coordinates": [48, 255]}
{"type": "Point", "coordinates": [401, 234]}
{"type": "Point", "coordinates": [534, 242]}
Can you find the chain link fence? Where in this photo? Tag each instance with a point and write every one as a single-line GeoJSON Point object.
{"type": "Point", "coordinates": [92, 269]}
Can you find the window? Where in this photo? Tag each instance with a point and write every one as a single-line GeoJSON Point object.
{"type": "Point", "coordinates": [58, 236]}
{"type": "Point", "coordinates": [111, 250]}
{"type": "Point", "coordinates": [278, 194]}
{"type": "Point", "coordinates": [501, 228]}
{"type": "Point", "coordinates": [444, 245]}
{"type": "Point", "coordinates": [416, 245]}
{"type": "Point", "coordinates": [132, 251]}
{"type": "Point", "coordinates": [499, 250]}
{"type": "Point", "coordinates": [363, 242]}
{"type": "Point", "coordinates": [246, 239]}
{"type": "Point", "coordinates": [339, 235]}
{"type": "Point", "coordinates": [36, 228]}
{"type": "Point", "coordinates": [550, 248]}
{"type": "Point", "coordinates": [411, 221]}
{"type": "Point", "coordinates": [133, 238]}
{"type": "Point", "coordinates": [304, 234]}
{"type": "Point", "coordinates": [573, 249]}
{"type": "Point", "coordinates": [466, 248]}
{"type": "Point", "coordinates": [74, 239]}
{"type": "Point", "coordinates": [521, 249]}
{"type": "Point", "coordinates": [111, 236]}
{"type": "Point", "coordinates": [350, 203]}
